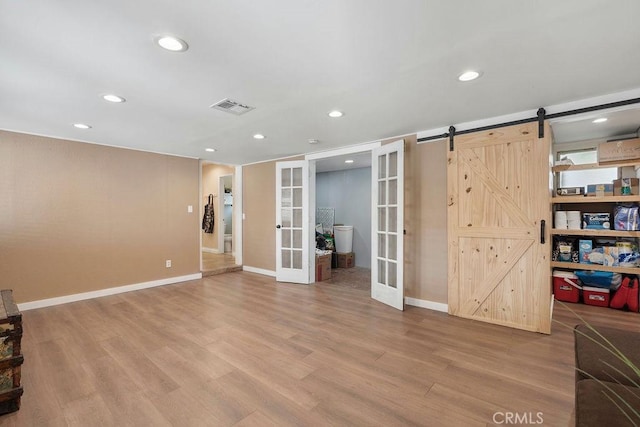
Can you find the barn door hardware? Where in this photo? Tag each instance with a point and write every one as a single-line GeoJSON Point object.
{"type": "Point", "coordinates": [452, 133]}
{"type": "Point", "coordinates": [541, 116]}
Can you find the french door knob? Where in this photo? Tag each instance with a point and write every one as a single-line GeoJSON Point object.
{"type": "Point", "coordinates": [278, 226]}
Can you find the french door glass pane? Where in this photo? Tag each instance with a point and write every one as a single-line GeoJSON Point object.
{"type": "Point", "coordinates": [297, 260]}
{"type": "Point", "coordinates": [393, 270]}
{"type": "Point", "coordinates": [286, 258]}
{"type": "Point", "coordinates": [286, 237]}
{"type": "Point", "coordinates": [286, 217]}
{"type": "Point", "coordinates": [297, 177]}
{"type": "Point", "coordinates": [382, 245]}
{"type": "Point", "coordinates": [393, 164]}
{"type": "Point", "coordinates": [286, 198]}
{"type": "Point", "coordinates": [393, 219]}
{"type": "Point", "coordinates": [382, 219]}
{"type": "Point", "coordinates": [297, 239]}
{"type": "Point", "coordinates": [393, 250]}
{"type": "Point", "coordinates": [393, 191]}
{"type": "Point", "coordinates": [382, 272]}
{"type": "Point", "coordinates": [297, 217]}
{"type": "Point", "coordinates": [382, 166]}
{"type": "Point", "coordinates": [286, 177]}
{"type": "Point", "coordinates": [297, 197]}
{"type": "Point", "coordinates": [382, 192]}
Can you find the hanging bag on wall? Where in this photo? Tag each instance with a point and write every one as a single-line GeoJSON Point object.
{"type": "Point", "coordinates": [208, 217]}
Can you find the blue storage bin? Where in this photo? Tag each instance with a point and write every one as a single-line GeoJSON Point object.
{"type": "Point", "coordinates": [600, 279]}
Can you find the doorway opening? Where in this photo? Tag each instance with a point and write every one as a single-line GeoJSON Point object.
{"type": "Point", "coordinates": [217, 251]}
{"type": "Point", "coordinates": [343, 218]}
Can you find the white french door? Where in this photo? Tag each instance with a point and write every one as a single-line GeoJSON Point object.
{"type": "Point", "coordinates": [387, 223]}
{"type": "Point", "coordinates": [292, 222]}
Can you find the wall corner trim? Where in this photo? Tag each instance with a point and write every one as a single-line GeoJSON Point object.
{"type": "Point", "coordinates": [262, 271]}
{"type": "Point", "coordinates": [105, 292]}
{"type": "Point", "coordinates": [431, 305]}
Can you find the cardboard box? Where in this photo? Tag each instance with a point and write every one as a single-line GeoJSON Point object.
{"type": "Point", "coordinates": [616, 151]}
{"type": "Point", "coordinates": [570, 191]}
{"type": "Point", "coordinates": [323, 267]}
{"type": "Point", "coordinates": [634, 186]}
{"type": "Point", "coordinates": [600, 190]}
{"type": "Point", "coordinates": [347, 260]}
{"type": "Point", "coordinates": [585, 247]}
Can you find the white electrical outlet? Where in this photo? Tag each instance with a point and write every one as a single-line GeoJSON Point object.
{"type": "Point", "coordinates": [168, 263]}
{"type": "Point", "coordinates": [190, 209]}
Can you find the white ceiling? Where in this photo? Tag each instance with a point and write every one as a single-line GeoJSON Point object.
{"type": "Point", "coordinates": [390, 66]}
{"type": "Point", "coordinates": [337, 163]}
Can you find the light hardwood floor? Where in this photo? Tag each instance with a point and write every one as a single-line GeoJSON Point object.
{"type": "Point", "coordinates": [239, 349]}
{"type": "Point", "coordinates": [213, 264]}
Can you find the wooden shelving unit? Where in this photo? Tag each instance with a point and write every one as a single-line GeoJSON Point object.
{"type": "Point", "coordinates": [595, 233]}
{"type": "Point", "coordinates": [587, 200]}
{"type": "Point", "coordinates": [590, 199]}
{"type": "Point", "coordinates": [578, 266]}
{"type": "Point", "coordinates": [564, 168]}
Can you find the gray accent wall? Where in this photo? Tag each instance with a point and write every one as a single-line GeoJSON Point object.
{"type": "Point", "coordinates": [349, 192]}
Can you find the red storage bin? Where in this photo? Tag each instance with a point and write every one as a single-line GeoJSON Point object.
{"type": "Point", "coordinates": [565, 286]}
{"type": "Point", "coordinates": [595, 296]}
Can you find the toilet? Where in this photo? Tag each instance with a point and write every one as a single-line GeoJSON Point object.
{"type": "Point", "coordinates": [228, 241]}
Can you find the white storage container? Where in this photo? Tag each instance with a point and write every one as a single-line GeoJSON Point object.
{"type": "Point", "coordinates": [344, 238]}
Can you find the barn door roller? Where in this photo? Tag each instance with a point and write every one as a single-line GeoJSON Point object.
{"type": "Point", "coordinates": [541, 116]}
{"type": "Point", "coordinates": [452, 133]}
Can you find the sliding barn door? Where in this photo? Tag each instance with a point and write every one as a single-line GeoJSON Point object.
{"type": "Point", "coordinates": [499, 249]}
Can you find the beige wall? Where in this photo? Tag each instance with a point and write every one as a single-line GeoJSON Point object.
{"type": "Point", "coordinates": [210, 177]}
{"type": "Point", "coordinates": [78, 217]}
{"type": "Point", "coordinates": [425, 250]}
{"type": "Point", "coordinates": [425, 218]}
{"type": "Point", "coordinates": [259, 207]}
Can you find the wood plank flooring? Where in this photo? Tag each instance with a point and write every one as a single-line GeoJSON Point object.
{"type": "Point", "coordinates": [239, 349]}
{"type": "Point", "coordinates": [213, 264]}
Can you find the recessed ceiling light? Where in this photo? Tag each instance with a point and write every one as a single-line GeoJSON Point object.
{"type": "Point", "coordinates": [113, 98]}
{"type": "Point", "coordinates": [211, 150]}
{"type": "Point", "coordinates": [173, 44]}
{"type": "Point", "coordinates": [336, 114]}
{"type": "Point", "coordinates": [81, 126]}
{"type": "Point", "coordinates": [468, 76]}
{"type": "Point", "coordinates": [348, 161]}
{"type": "Point", "coordinates": [313, 141]}
{"type": "Point", "coordinates": [600, 120]}
{"type": "Point", "coordinates": [259, 136]}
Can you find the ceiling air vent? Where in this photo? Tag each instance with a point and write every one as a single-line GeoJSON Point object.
{"type": "Point", "coordinates": [230, 106]}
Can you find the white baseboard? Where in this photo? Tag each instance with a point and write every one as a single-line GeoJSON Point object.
{"type": "Point", "coordinates": [211, 250]}
{"type": "Point", "coordinates": [259, 271]}
{"type": "Point", "coordinates": [104, 292]}
{"type": "Point", "coordinates": [436, 306]}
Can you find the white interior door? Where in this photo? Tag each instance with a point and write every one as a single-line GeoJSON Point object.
{"type": "Point", "coordinates": [387, 223]}
{"type": "Point", "coordinates": [292, 222]}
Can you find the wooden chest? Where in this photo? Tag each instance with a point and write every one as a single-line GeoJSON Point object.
{"type": "Point", "coordinates": [10, 354]}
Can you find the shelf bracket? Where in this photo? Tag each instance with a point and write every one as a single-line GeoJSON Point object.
{"type": "Point", "coordinates": [452, 133]}
{"type": "Point", "coordinates": [541, 116]}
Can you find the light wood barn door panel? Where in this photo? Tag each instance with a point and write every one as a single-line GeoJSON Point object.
{"type": "Point", "coordinates": [498, 194]}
